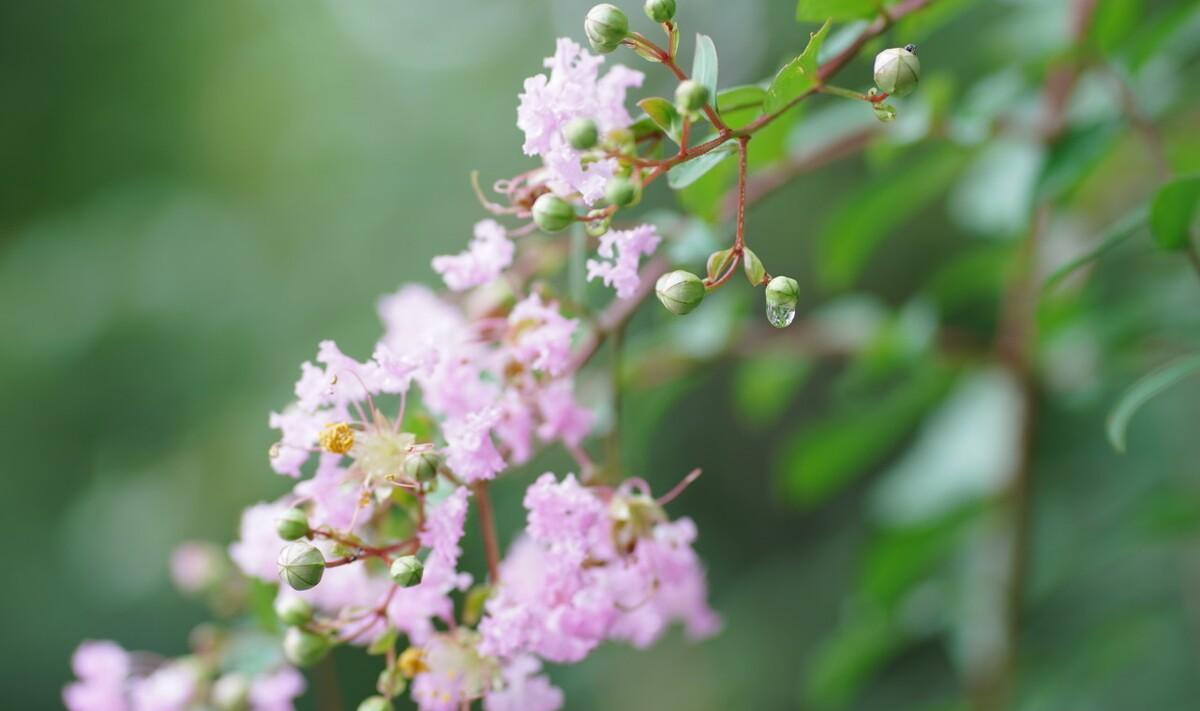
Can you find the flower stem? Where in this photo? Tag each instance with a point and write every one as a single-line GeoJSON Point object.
{"type": "Point", "coordinates": [487, 527]}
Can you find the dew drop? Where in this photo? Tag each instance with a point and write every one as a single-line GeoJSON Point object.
{"type": "Point", "coordinates": [781, 316]}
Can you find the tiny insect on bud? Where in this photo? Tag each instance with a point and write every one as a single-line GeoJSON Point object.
{"type": "Point", "coordinates": [581, 133]}
{"type": "Point", "coordinates": [337, 438]}
{"type": "Point", "coordinates": [301, 566]}
{"type": "Point", "coordinates": [231, 692]}
{"type": "Point", "coordinates": [304, 648]}
{"type": "Point", "coordinates": [292, 524]}
{"type": "Point", "coordinates": [898, 70]}
{"type": "Point", "coordinates": [407, 571]}
{"type": "Point", "coordinates": [660, 10]}
{"type": "Point", "coordinates": [622, 192]}
{"type": "Point", "coordinates": [783, 294]}
{"type": "Point", "coordinates": [293, 611]}
{"type": "Point", "coordinates": [680, 291]}
{"type": "Point", "coordinates": [552, 213]}
{"type": "Point", "coordinates": [690, 96]}
{"type": "Point", "coordinates": [422, 466]}
{"type": "Point", "coordinates": [375, 703]}
{"type": "Point", "coordinates": [605, 27]}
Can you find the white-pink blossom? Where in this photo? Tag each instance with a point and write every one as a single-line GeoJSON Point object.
{"type": "Point", "coordinates": [621, 251]}
{"type": "Point", "coordinates": [488, 254]}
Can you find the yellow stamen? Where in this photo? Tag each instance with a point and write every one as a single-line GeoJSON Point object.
{"type": "Point", "coordinates": [412, 662]}
{"type": "Point", "coordinates": [337, 438]}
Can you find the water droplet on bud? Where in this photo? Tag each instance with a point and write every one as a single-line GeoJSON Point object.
{"type": "Point", "coordinates": [781, 316]}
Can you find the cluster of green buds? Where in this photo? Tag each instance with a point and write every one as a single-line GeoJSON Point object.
{"type": "Point", "coordinates": [681, 291]}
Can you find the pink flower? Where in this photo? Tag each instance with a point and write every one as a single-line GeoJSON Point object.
{"type": "Point", "coordinates": [623, 249]}
{"type": "Point", "coordinates": [256, 552]}
{"type": "Point", "coordinates": [275, 691]}
{"type": "Point", "coordinates": [562, 418]}
{"type": "Point", "coordinates": [102, 668]}
{"type": "Point", "coordinates": [524, 689]}
{"type": "Point", "coordinates": [171, 687]}
{"type": "Point", "coordinates": [490, 253]}
{"type": "Point", "coordinates": [541, 336]}
{"type": "Point", "coordinates": [195, 565]}
{"type": "Point", "coordinates": [470, 452]}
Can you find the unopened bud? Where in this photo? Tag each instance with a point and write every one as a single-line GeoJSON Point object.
{"type": "Point", "coordinates": [293, 611]}
{"type": "Point", "coordinates": [622, 191]}
{"type": "Point", "coordinates": [375, 703]}
{"type": "Point", "coordinates": [605, 27]}
{"type": "Point", "coordinates": [422, 466]}
{"type": "Point", "coordinates": [897, 70]}
{"type": "Point", "coordinates": [390, 682]}
{"type": "Point", "coordinates": [292, 524]}
{"type": "Point", "coordinates": [407, 571]}
{"type": "Point", "coordinates": [552, 213]}
{"type": "Point", "coordinates": [660, 10]}
{"type": "Point", "coordinates": [690, 96]}
{"type": "Point", "coordinates": [231, 692]}
{"type": "Point", "coordinates": [301, 565]}
{"type": "Point", "coordinates": [680, 291]}
{"type": "Point", "coordinates": [783, 294]}
{"type": "Point", "coordinates": [304, 648]}
{"type": "Point", "coordinates": [581, 133]}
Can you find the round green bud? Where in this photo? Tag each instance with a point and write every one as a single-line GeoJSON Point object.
{"type": "Point", "coordinates": [407, 571]}
{"type": "Point", "coordinates": [660, 10]}
{"type": "Point", "coordinates": [552, 213]}
{"type": "Point", "coordinates": [231, 692]}
{"type": "Point", "coordinates": [680, 291]}
{"type": "Point", "coordinates": [783, 294]}
{"type": "Point", "coordinates": [605, 27]}
{"type": "Point", "coordinates": [690, 96]}
{"type": "Point", "coordinates": [304, 648]}
{"type": "Point", "coordinates": [582, 133]}
{"type": "Point", "coordinates": [292, 525]}
{"type": "Point", "coordinates": [897, 70]}
{"type": "Point", "coordinates": [391, 682]}
{"type": "Point", "coordinates": [375, 703]}
{"type": "Point", "coordinates": [622, 191]}
{"type": "Point", "coordinates": [301, 566]}
{"type": "Point", "coordinates": [293, 611]}
{"type": "Point", "coordinates": [422, 466]}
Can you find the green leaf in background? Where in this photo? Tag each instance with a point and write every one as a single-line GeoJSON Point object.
{"type": "Point", "coordinates": [797, 76]}
{"type": "Point", "coordinates": [1172, 212]}
{"type": "Point", "coordinates": [662, 112]}
{"type": "Point", "coordinates": [1143, 391]}
{"type": "Point", "coordinates": [740, 105]}
{"type": "Point", "coordinates": [763, 387]}
{"type": "Point", "coordinates": [818, 10]}
{"type": "Point", "coordinates": [846, 660]}
{"type": "Point", "coordinates": [1073, 158]}
{"type": "Point", "coordinates": [261, 603]}
{"type": "Point", "coordinates": [1114, 21]}
{"type": "Point", "coordinates": [1119, 232]}
{"type": "Point", "coordinates": [687, 173]}
{"type": "Point", "coordinates": [704, 65]}
{"type": "Point", "coordinates": [384, 643]}
{"type": "Point", "coordinates": [866, 217]}
{"type": "Point", "coordinates": [828, 454]}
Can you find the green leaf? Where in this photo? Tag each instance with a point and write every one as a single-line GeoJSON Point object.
{"type": "Point", "coordinates": [1119, 232]}
{"type": "Point", "coordinates": [868, 216]}
{"type": "Point", "coordinates": [818, 10]}
{"type": "Point", "coordinates": [764, 386]}
{"type": "Point", "coordinates": [1143, 391]}
{"type": "Point", "coordinates": [740, 105]}
{"type": "Point", "coordinates": [662, 112]}
{"type": "Point", "coordinates": [843, 663]}
{"type": "Point", "coordinates": [687, 173]}
{"type": "Point", "coordinates": [384, 642]}
{"type": "Point", "coordinates": [798, 76]}
{"type": "Point", "coordinates": [704, 64]}
{"type": "Point", "coordinates": [1172, 212]}
{"type": "Point", "coordinates": [1074, 157]}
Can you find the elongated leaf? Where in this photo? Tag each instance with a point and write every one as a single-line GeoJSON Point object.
{"type": "Point", "coordinates": [1122, 230]}
{"type": "Point", "coordinates": [704, 65]}
{"type": "Point", "coordinates": [818, 10]}
{"type": "Point", "coordinates": [798, 76]}
{"type": "Point", "coordinates": [663, 114]}
{"type": "Point", "coordinates": [1143, 391]}
{"type": "Point", "coordinates": [687, 173]}
{"type": "Point", "coordinates": [1172, 212]}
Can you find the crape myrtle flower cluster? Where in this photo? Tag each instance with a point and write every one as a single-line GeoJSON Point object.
{"type": "Point", "coordinates": [393, 451]}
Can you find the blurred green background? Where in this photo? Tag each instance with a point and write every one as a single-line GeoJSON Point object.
{"type": "Point", "coordinates": [196, 193]}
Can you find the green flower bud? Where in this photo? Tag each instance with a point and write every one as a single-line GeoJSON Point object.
{"type": "Point", "coordinates": [304, 648]}
{"type": "Point", "coordinates": [660, 10]}
{"type": "Point", "coordinates": [407, 571]}
{"type": "Point", "coordinates": [605, 27]}
{"type": "Point", "coordinates": [753, 267]}
{"type": "Point", "coordinates": [293, 611]}
{"type": "Point", "coordinates": [783, 294]}
{"type": "Point", "coordinates": [581, 133]}
{"type": "Point", "coordinates": [897, 70]}
{"type": "Point", "coordinates": [375, 703]}
{"type": "Point", "coordinates": [597, 223]}
{"type": "Point", "coordinates": [292, 525]}
{"type": "Point", "coordinates": [622, 191]}
{"type": "Point", "coordinates": [552, 213]}
{"type": "Point", "coordinates": [301, 565]}
{"type": "Point", "coordinates": [391, 682]}
{"type": "Point", "coordinates": [231, 692]}
{"type": "Point", "coordinates": [690, 96]}
{"type": "Point", "coordinates": [422, 466]}
{"type": "Point", "coordinates": [680, 291]}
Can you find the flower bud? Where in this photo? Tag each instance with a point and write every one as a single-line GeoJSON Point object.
{"type": "Point", "coordinates": [605, 27]}
{"type": "Point", "coordinates": [390, 682]}
{"type": "Point", "coordinates": [552, 213]}
{"type": "Point", "coordinates": [660, 11]}
{"type": "Point", "coordinates": [753, 267]}
{"type": "Point", "coordinates": [680, 291]}
{"type": "Point", "coordinates": [621, 191]}
{"type": "Point", "coordinates": [897, 70]}
{"type": "Point", "coordinates": [375, 703]}
{"type": "Point", "coordinates": [304, 648]}
{"type": "Point", "coordinates": [422, 466]}
{"type": "Point", "coordinates": [292, 524]}
{"type": "Point", "coordinates": [690, 96]}
{"type": "Point", "coordinates": [301, 565]}
{"type": "Point", "coordinates": [407, 571]}
{"type": "Point", "coordinates": [783, 294]}
{"type": "Point", "coordinates": [231, 693]}
{"type": "Point", "coordinates": [293, 611]}
{"type": "Point", "coordinates": [581, 133]}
